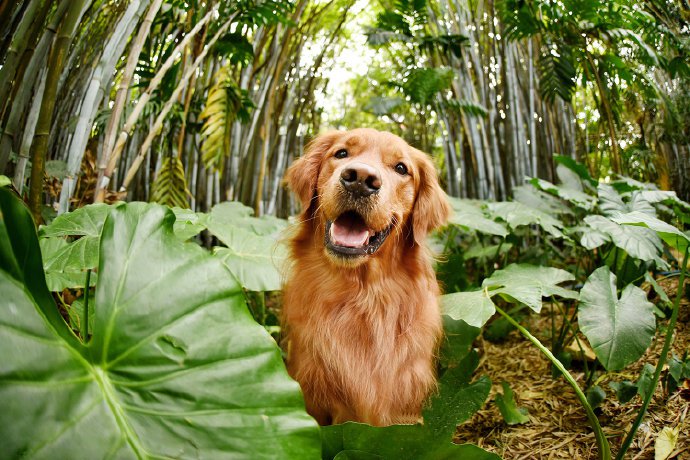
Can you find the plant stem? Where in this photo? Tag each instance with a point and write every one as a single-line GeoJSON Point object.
{"type": "Point", "coordinates": [85, 329]}
{"type": "Point", "coordinates": [602, 442]}
{"type": "Point", "coordinates": [662, 361]}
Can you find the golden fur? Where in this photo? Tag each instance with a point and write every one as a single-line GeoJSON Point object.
{"type": "Point", "coordinates": [362, 332]}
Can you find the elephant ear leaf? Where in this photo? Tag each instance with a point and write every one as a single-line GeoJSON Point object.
{"type": "Point", "coordinates": [176, 367]}
{"type": "Point", "coordinates": [619, 329]}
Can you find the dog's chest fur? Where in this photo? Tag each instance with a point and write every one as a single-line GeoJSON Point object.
{"type": "Point", "coordinates": [372, 338]}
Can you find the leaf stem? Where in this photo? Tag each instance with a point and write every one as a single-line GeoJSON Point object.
{"type": "Point", "coordinates": [662, 361]}
{"type": "Point", "coordinates": [602, 442]}
{"type": "Point", "coordinates": [85, 329]}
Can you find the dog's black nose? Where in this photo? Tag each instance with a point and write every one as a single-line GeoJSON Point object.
{"type": "Point", "coordinates": [360, 179]}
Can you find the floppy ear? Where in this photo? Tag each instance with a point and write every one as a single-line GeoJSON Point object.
{"type": "Point", "coordinates": [431, 208]}
{"type": "Point", "coordinates": [302, 175]}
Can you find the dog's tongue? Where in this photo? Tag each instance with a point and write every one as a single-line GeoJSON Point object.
{"type": "Point", "coordinates": [349, 231]}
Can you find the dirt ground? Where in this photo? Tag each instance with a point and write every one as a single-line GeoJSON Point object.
{"type": "Point", "coordinates": [558, 427]}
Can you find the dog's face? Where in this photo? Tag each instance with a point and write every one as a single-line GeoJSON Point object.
{"type": "Point", "coordinates": [367, 187]}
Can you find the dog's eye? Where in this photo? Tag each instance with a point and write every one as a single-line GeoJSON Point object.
{"type": "Point", "coordinates": [342, 153]}
{"type": "Point", "coordinates": [401, 169]}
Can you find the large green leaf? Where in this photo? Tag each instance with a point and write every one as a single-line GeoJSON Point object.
{"type": "Point", "coordinates": [619, 329]}
{"type": "Point", "coordinates": [473, 307]}
{"type": "Point", "coordinates": [70, 246]}
{"type": "Point", "coordinates": [254, 254]}
{"type": "Point", "coordinates": [641, 243]}
{"type": "Point", "coordinates": [577, 197]}
{"type": "Point", "coordinates": [470, 216]}
{"type": "Point", "coordinates": [237, 215]}
{"type": "Point", "coordinates": [66, 267]}
{"type": "Point", "coordinates": [518, 214]}
{"type": "Point", "coordinates": [255, 260]}
{"type": "Point", "coordinates": [176, 367]}
{"type": "Point", "coordinates": [20, 259]}
{"type": "Point", "coordinates": [529, 283]}
{"type": "Point", "coordinates": [530, 196]}
{"type": "Point", "coordinates": [188, 223]}
{"type": "Point", "coordinates": [670, 234]}
{"type": "Point", "coordinates": [577, 168]}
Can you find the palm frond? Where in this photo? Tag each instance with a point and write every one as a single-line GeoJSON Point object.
{"type": "Point", "coordinates": [170, 186]}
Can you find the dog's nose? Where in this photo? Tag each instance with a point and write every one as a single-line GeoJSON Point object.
{"type": "Point", "coordinates": [360, 179]}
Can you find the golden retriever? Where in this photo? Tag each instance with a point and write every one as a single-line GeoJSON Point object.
{"type": "Point", "coordinates": [360, 315]}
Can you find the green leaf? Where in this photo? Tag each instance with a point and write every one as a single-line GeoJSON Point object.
{"type": "Point", "coordinates": [576, 197]}
{"type": "Point", "coordinates": [85, 221]}
{"type": "Point", "coordinates": [66, 263]}
{"type": "Point", "coordinates": [625, 390]}
{"type": "Point", "coordinates": [422, 84]}
{"type": "Point", "coordinates": [457, 340]}
{"type": "Point", "coordinates": [641, 243]}
{"type": "Point", "coordinates": [518, 214]}
{"type": "Point", "coordinates": [253, 254]}
{"type": "Point", "coordinates": [457, 399]}
{"type": "Point", "coordinates": [56, 168]}
{"type": "Point", "coordinates": [529, 283]}
{"type": "Point", "coordinates": [237, 215]}
{"type": "Point", "coordinates": [176, 366]}
{"type": "Point", "coordinates": [5, 181]}
{"type": "Point", "coordinates": [66, 259]}
{"type": "Point", "coordinates": [577, 168]}
{"type": "Point", "coordinates": [512, 414]}
{"type": "Point", "coordinates": [170, 186]}
{"type": "Point", "coordinates": [534, 198]}
{"type": "Point", "coordinates": [644, 382]}
{"type": "Point", "coordinates": [469, 216]}
{"type": "Point", "coordinates": [20, 258]}
{"type": "Point", "coordinates": [475, 307]}
{"type": "Point", "coordinates": [188, 223]}
{"type": "Point", "coordinates": [670, 234]}
{"type": "Point", "coordinates": [477, 251]}
{"type": "Point", "coordinates": [254, 260]}
{"type": "Point", "coordinates": [595, 396]}
{"type": "Point", "coordinates": [619, 329]}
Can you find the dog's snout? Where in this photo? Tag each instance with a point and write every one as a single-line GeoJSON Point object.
{"type": "Point", "coordinates": [360, 179]}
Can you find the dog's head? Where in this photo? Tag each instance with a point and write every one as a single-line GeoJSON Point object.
{"type": "Point", "coordinates": [364, 186]}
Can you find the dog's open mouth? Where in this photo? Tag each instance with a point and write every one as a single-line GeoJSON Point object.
{"type": "Point", "coordinates": [349, 235]}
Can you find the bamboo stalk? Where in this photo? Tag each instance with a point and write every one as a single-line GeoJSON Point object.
{"type": "Point", "coordinates": [158, 124]}
{"type": "Point", "coordinates": [111, 160]}
{"type": "Point", "coordinates": [123, 87]}
{"type": "Point", "coordinates": [40, 143]}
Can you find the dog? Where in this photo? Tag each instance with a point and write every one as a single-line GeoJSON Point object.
{"type": "Point", "coordinates": [360, 308]}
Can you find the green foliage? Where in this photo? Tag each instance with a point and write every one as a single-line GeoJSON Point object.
{"type": "Point", "coordinates": [619, 329]}
{"type": "Point", "coordinates": [69, 246]}
{"type": "Point", "coordinates": [421, 85]}
{"type": "Point", "coordinates": [170, 187]}
{"type": "Point", "coordinates": [225, 104]}
{"type": "Point", "coordinates": [505, 401]}
{"type": "Point", "coordinates": [169, 321]}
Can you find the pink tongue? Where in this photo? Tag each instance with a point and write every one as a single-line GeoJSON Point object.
{"type": "Point", "coordinates": [349, 233]}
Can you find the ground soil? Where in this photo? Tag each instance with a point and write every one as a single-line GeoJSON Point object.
{"type": "Point", "coordinates": [558, 427]}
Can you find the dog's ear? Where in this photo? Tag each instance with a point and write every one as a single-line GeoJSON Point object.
{"type": "Point", "coordinates": [302, 175]}
{"type": "Point", "coordinates": [431, 208]}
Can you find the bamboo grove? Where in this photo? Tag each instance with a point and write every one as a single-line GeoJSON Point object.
{"type": "Point", "coordinates": [191, 103]}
